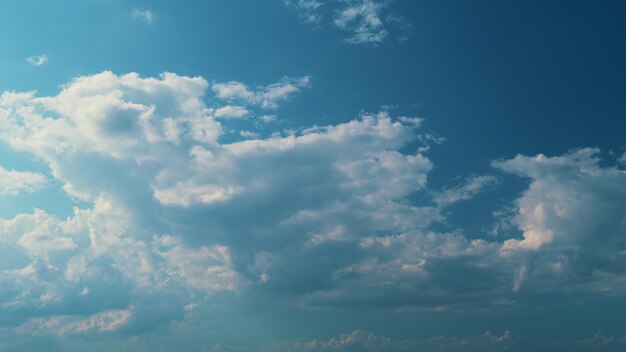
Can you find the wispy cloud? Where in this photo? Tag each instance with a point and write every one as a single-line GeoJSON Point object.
{"type": "Point", "coordinates": [359, 340]}
{"type": "Point", "coordinates": [267, 97]}
{"type": "Point", "coordinates": [145, 15]}
{"type": "Point", "coordinates": [308, 10]}
{"type": "Point", "coordinates": [365, 21]}
{"type": "Point", "coordinates": [468, 190]}
{"type": "Point", "coordinates": [37, 60]}
{"type": "Point", "coordinates": [362, 18]}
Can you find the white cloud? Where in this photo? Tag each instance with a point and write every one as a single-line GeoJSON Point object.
{"type": "Point", "coordinates": [144, 15]}
{"type": "Point", "coordinates": [231, 111]}
{"type": "Point", "coordinates": [208, 269]}
{"type": "Point", "coordinates": [37, 60]}
{"type": "Point", "coordinates": [572, 219]}
{"type": "Point", "coordinates": [266, 97]}
{"type": "Point", "coordinates": [363, 19]}
{"type": "Point", "coordinates": [268, 118]}
{"type": "Point", "coordinates": [248, 134]}
{"type": "Point", "coordinates": [145, 152]}
{"type": "Point", "coordinates": [472, 186]}
{"type": "Point", "coordinates": [175, 215]}
{"type": "Point", "coordinates": [106, 321]}
{"type": "Point", "coordinates": [14, 182]}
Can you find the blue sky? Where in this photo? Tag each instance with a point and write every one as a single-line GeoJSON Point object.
{"type": "Point", "coordinates": [312, 175]}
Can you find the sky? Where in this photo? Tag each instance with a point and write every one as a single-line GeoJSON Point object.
{"type": "Point", "coordinates": [312, 175]}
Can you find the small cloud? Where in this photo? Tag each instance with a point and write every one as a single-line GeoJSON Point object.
{"type": "Point", "coordinates": [37, 60]}
{"type": "Point", "coordinates": [267, 97]}
{"type": "Point", "coordinates": [268, 118]}
{"type": "Point", "coordinates": [14, 182]}
{"type": "Point", "coordinates": [468, 190]}
{"type": "Point", "coordinates": [144, 15]}
{"type": "Point", "coordinates": [366, 22]}
{"type": "Point", "coordinates": [308, 10]}
{"type": "Point", "coordinates": [248, 134]}
{"type": "Point", "coordinates": [231, 111]}
{"type": "Point", "coordinates": [363, 19]}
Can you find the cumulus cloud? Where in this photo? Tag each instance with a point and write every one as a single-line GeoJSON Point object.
{"type": "Point", "coordinates": [572, 219]}
{"type": "Point", "coordinates": [14, 182]}
{"type": "Point", "coordinates": [90, 272]}
{"type": "Point", "coordinates": [146, 153]}
{"type": "Point", "coordinates": [37, 60]}
{"type": "Point", "coordinates": [175, 214]}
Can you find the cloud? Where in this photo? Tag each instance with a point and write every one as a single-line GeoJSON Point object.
{"type": "Point", "coordinates": [248, 134]}
{"type": "Point", "coordinates": [145, 153]}
{"type": "Point", "coordinates": [622, 159]}
{"type": "Point", "coordinates": [14, 182]}
{"type": "Point", "coordinates": [144, 15]}
{"type": "Point", "coordinates": [90, 272]}
{"type": "Point", "coordinates": [37, 60]}
{"type": "Point", "coordinates": [106, 321]}
{"type": "Point", "coordinates": [571, 218]}
{"type": "Point", "coordinates": [367, 22]}
{"type": "Point", "coordinates": [267, 97]}
{"type": "Point", "coordinates": [176, 220]}
{"type": "Point", "coordinates": [363, 19]}
{"type": "Point", "coordinates": [472, 186]}
{"type": "Point", "coordinates": [571, 223]}
{"type": "Point", "coordinates": [267, 118]}
{"type": "Point", "coordinates": [231, 111]}
{"type": "Point", "coordinates": [308, 10]}
{"type": "Point", "coordinates": [359, 340]}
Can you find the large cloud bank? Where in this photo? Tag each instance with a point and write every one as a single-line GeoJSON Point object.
{"type": "Point", "coordinates": [176, 217]}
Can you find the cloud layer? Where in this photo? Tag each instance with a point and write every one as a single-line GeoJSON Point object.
{"type": "Point", "coordinates": [176, 217]}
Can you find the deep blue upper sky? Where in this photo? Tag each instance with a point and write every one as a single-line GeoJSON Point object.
{"type": "Point", "coordinates": [339, 215]}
